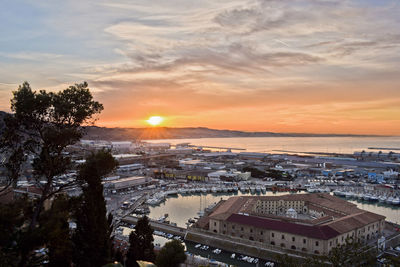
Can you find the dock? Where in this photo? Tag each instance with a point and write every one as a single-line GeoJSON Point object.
{"type": "Point", "coordinates": [134, 206]}
{"type": "Point", "coordinates": [159, 226]}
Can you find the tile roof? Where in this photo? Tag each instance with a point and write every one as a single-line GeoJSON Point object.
{"type": "Point", "coordinates": [319, 232]}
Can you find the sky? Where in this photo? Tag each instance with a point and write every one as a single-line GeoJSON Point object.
{"type": "Point", "coordinates": [315, 66]}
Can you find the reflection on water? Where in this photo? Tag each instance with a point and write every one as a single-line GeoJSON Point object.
{"type": "Point", "coordinates": [299, 144]}
{"type": "Point", "coordinates": [392, 213]}
{"type": "Point", "coordinates": [181, 208]}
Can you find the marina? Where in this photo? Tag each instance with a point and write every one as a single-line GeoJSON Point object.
{"type": "Point", "coordinates": [186, 207]}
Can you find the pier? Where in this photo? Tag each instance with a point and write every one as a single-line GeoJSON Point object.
{"type": "Point", "coordinates": [134, 206]}
{"type": "Point", "coordinates": [164, 227]}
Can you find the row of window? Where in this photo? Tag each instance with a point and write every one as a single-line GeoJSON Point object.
{"type": "Point", "coordinates": [294, 247]}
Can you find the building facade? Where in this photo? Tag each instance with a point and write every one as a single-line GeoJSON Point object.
{"type": "Point", "coordinates": [308, 223]}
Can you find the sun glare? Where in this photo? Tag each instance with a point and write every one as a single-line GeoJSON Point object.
{"type": "Point", "coordinates": [155, 120]}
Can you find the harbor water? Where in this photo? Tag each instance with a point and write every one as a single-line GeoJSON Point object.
{"type": "Point", "coordinates": [183, 207]}
{"type": "Point", "coordinates": [180, 208]}
{"type": "Point", "coordinates": [294, 144]}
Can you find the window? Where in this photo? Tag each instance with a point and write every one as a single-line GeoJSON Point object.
{"type": "Point", "coordinates": [304, 241]}
{"type": "Point", "coordinates": [272, 234]}
{"type": "Point", "coordinates": [261, 233]}
{"type": "Point", "coordinates": [293, 239]}
{"type": "Point", "coordinates": [316, 252]}
{"type": "Point", "coordinates": [330, 243]}
{"type": "Point", "coordinates": [251, 230]}
{"type": "Point", "coordinates": [215, 223]}
{"type": "Point", "coordinates": [223, 232]}
{"type": "Point", "coordinates": [224, 225]}
{"type": "Point", "coordinates": [293, 247]}
{"type": "Point", "coordinates": [261, 240]}
{"type": "Point", "coordinates": [241, 228]}
{"type": "Point", "coordinates": [233, 227]}
{"type": "Point", "coordinates": [273, 243]}
{"type": "Point", "coordinates": [317, 243]}
{"type": "Point", "coordinates": [283, 236]}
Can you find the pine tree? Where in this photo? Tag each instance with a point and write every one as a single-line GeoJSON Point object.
{"type": "Point", "coordinates": [42, 126]}
{"type": "Point", "coordinates": [93, 239]}
{"type": "Point", "coordinates": [141, 245]}
{"type": "Point", "coordinates": [55, 229]}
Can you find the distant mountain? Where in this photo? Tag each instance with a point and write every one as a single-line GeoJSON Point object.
{"type": "Point", "coordinates": [102, 133]}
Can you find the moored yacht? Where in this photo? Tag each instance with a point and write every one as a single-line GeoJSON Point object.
{"type": "Point", "coordinates": [373, 198]}
{"type": "Point", "coordinates": [396, 201]}
{"type": "Point", "coordinates": [389, 200]}
{"type": "Point", "coordinates": [382, 199]}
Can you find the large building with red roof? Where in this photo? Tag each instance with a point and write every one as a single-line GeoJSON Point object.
{"type": "Point", "coordinates": [308, 223]}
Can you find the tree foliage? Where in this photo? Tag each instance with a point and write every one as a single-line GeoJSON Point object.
{"type": "Point", "coordinates": [11, 147]}
{"type": "Point", "coordinates": [351, 253]}
{"type": "Point", "coordinates": [93, 239]}
{"type": "Point", "coordinates": [141, 245]}
{"type": "Point", "coordinates": [54, 227]}
{"type": "Point", "coordinates": [42, 125]}
{"type": "Point", "coordinates": [171, 254]}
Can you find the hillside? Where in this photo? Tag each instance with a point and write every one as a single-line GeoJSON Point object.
{"type": "Point", "coordinates": [102, 133]}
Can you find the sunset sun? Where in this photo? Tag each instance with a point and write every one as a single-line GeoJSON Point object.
{"type": "Point", "coordinates": [155, 120]}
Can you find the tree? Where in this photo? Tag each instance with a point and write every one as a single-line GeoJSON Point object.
{"type": "Point", "coordinates": [12, 218]}
{"type": "Point", "coordinates": [141, 245]}
{"type": "Point", "coordinates": [93, 238]}
{"type": "Point", "coordinates": [352, 253]}
{"type": "Point", "coordinates": [54, 227]}
{"type": "Point", "coordinates": [43, 125]}
{"type": "Point", "coordinates": [171, 254]}
{"type": "Point", "coordinates": [11, 147]}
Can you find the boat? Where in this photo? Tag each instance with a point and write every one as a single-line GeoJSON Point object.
{"type": "Point", "coordinates": [326, 190]}
{"type": "Point", "coordinates": [373, 198]}
{"type": "Point", "coordinates": [396, 201]}
{"type": "Point", "coordinates": [382, 199]}
{"type": "Point", "coordinates": [198, 246]}
{"type": "Point", "coordinates": [258, 189]}
{"type": "Point", "coordinates": [214, 190]}
{"type": "Point", "coordinates": [233, 255]}
{"type": "Point", "coordinates": [312, 190]}
{"type": "Point", "coordinates": [252, 189]}
{"type": "Point", "coordinates": [171, 192]}
{"type": "Point", "coordinates": [204, 190]}
{"type": "Point", "coordinates": [367, 196]}
{"type": "Point", "coordinates": [338, 193]}
{"type": "Point", "coordinates": [263, 189]}
{"type": "Point", "coordinates": [389, 200]}
{"type": "Point", "coordinates": [346, 194]}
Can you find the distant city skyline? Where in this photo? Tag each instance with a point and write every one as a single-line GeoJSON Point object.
{"type": "Point", "coordinates": [320, 66]}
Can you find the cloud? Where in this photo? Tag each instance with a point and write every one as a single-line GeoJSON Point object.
{"type": "Point", "coordinates": [281, 63]}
